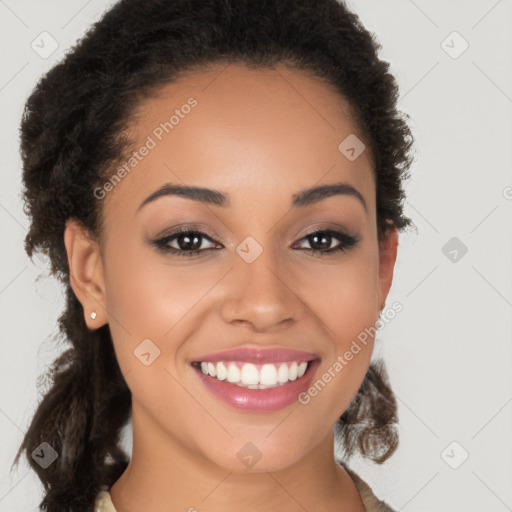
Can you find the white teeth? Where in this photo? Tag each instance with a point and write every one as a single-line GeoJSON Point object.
{"type": "Point", "coordinates": [222, 371]}
{"type": "Point", "coordinates": [249, 374]}
{"type": "Point", "coordinates": [293, 371]}
{"type": "Point", "coordinates": [282, 373]}
{"type": "Point", "coordinates": [233, 373]}
{"type": "Point", "coordinates": [269, 375]}
{"type": "Point", "coordinates": [301, 370]}
{"type": "Point", "coordinates": [212, 370]}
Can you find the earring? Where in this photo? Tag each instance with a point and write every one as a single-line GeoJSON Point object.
{"type": "Point", "coordinates": [93, 315]}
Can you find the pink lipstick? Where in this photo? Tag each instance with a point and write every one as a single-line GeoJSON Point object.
{"type": "Point", "coordinates": [257, 380]}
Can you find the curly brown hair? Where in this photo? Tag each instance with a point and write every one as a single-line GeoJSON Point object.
{"type": "Point", "coordinates": [72, 133]}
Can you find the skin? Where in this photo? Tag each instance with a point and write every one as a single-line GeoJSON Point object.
{"type": "Point", "coordinates": [259, 136]}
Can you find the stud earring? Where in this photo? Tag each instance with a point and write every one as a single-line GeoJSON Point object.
{"type": "Point", "coordinates": [93, 315]}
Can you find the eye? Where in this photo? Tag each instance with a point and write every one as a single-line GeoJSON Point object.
{"type": "Point", "coordinates": [322, 239]}
{"type": "Point", "coordinates": [188, 242]}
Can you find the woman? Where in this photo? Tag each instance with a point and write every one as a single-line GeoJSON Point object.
{"type": "Point", "coordinates": [219, 186]}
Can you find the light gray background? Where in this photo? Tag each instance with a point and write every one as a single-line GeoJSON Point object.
{"type": "Point", "coordinates": [448, 352]}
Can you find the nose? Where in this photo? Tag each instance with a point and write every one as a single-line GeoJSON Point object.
{"type": "Point", "coordinates": [261, 294]}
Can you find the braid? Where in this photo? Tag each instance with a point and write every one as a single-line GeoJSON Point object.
{"type": "Point", "coordinates": [80, 417]}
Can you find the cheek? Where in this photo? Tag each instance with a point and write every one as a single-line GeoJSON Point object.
{"type": "Point", "coordinates": [145, 302]}
{"type": "Point", "coordinates": [344, 294]}
{"type": "Point", "coordinates": [147, 295]}
{"type": "Point", "coordinates": [344, 297]}
{"type": "Point", "coordinates": [153, 303]}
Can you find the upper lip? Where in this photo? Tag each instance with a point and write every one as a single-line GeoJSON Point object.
{"type": "Point", "coordinates": [257, 355]}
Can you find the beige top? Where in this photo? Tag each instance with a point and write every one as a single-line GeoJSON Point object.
{"type": "Point", "coordinates": [371, 502]}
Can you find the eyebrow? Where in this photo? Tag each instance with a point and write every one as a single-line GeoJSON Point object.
{"type": "Point", "coordinates": [217, 198]}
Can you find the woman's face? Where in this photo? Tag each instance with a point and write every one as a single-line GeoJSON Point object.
{"type": "Point", "coordinates": [260, 138]}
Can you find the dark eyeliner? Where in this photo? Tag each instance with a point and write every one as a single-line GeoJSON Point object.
{"type": "Point", "coordinates": [346, 242]}
{"type": "Point", "coordinates": [162, 243]}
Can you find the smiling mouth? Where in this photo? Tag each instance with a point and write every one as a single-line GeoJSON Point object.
{"type": "Point", "coordinates": [254, 376]}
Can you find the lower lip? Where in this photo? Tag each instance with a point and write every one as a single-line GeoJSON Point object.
{"type": "Point", "coordinates": [259, 400]}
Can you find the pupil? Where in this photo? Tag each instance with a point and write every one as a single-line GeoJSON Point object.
{"type": "Point", "coordinates": [187, 245]}
{"type": "Point", "coordinates": [322, 246]}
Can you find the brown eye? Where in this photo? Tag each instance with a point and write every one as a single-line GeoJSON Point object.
{"type": "Point", "coordinates": [321, 241]}
{"type": "Point", "coordinates": [188, 242]}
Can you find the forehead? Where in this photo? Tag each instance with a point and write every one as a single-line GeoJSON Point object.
{"type": "Point", "coordinates": [256, 133]}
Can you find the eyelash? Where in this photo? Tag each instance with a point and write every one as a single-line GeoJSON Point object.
{"type": "Point", "coordinates": [347, 242]}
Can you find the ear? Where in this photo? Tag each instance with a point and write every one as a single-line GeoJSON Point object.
{"type": "Point", "coordinates": [387, 257]}
{"type": "Point", "coordinates": [86, 272]}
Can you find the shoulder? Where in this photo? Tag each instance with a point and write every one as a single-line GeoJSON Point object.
{"type": "Point", "coordinates": [370, 501]}
{"type": "Point", "coordinates": [103, 502]}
